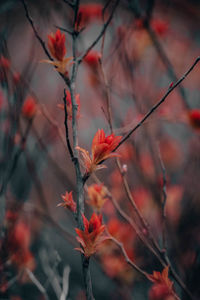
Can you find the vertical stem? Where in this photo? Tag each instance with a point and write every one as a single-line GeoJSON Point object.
{"type": "Point", "coordinates": [87, 278]}
{"type": "Point", "coordinates": [79, 178]}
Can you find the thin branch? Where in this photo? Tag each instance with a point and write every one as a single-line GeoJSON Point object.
{"type": "Point", "coordinates": [37, 283]}
{"type": "Point", "coordinates": [64, 29]}
{"type": "Point", "coordinates": [163, 56]}
{"type": "Point", "coordinates": [69, 3]}
{"type": "Point", "coordinates": [164, 200]}
{"type": "Point", "coordinates": [42, 43]}
{"type": "Point", "coordinates": [87, 278]}
{"type": "Point", "coordinates": [149, 10]}
{"type": "Point", "coordinates": [52, 277]}
{"type": "Point", "coordinates": [139, 233]}
{"type": "Point", "coordinates": [52, 121]}
{"type": "Point", "coordinates": [65, 283]}
{"type": "Point", "coordinates": [100, 34]}
{"type": "Point", "coordinates": [131, 263]}
{"type": "Point", "coordinates": [66, 127]}
{"type": "Point", "coordinates": [158, 104]}
{"type": "Point", "coordinates": [76, 8]}
{"type": "Point", "coordinates": [79, 179]}
{"type": "Point", "coordinates": [16, 157]}
{"type": "Point", "coordinates": [107, 92]}
{"type": "Point", "coordinates": [58, 172]}
{"type": "Point", "coordinates": [128, 260]}
{"type": "Point", "coordinates": [143, 222]}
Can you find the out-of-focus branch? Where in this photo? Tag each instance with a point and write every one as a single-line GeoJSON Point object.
{"type": "Point", "coordinates": [157, 251]}
{"type": "Point", "coordinates": [16, 157]}
{"type": "Point", "coordinates": [143, 222]}
{"type": "Point", "coordinates": [37, 283]}
{"type": "Point", "coordinates": [163, 56]}
{"type": "Point", "coordinates": [71, 4]}
{"type": "Point", "coordinates": [105, 26]}
{"type": "Point", "coordinates": [164, 199]}
{"type": "Point", "coordinates": [128, 260]}
{"type": "Point", "coordinates": [42, 43]}
{"type": "Point", "coordinates": [48, 117]}
{"type": "Point", "coordinates": [64, 29]}
{"type": "Point", "coordinates": [156, 43]}
{"type": "Point", "coordinates": [65, 283]}
{"type": "Point", "coordinates": [131, 263]}
{"type": "Point", "coordinates": [52, 276]}
{"type": "Point", "coordinates": [107, 93]}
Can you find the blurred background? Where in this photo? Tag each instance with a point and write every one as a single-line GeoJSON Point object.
{"type": "Point", "coordinates": [147, 46]}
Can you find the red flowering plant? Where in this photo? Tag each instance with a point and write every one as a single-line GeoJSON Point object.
{"type": "Point", "coordinates": [29, 108]}
{"type": "Point", "coordinates": [57, 48]}
{"type": "Point", "coordinates": [162, 288]}
{"type": "Point", "coordinates": [194, 118]}
{"type": "Point", "coordinates": [4, 62]}
{"type": "Point", "coordinates": [97, 196]}
{"type": "Point", "coordinates": [112, 71]}
{"type": "Point", "coordinates": [92, 59]}
{"type": "Point", "coordinates": [19, 240]}
{"type": "Point", "coordinates": [102, 148]}
{"type": "Point", "coordinates": [88, 13]}
{"type": "Point", "coordinates": [68, 202]}
{"type": "Point", "coordinates": [92, 236]}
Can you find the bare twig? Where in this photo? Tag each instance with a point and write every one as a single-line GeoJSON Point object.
{"type": "Point", "coordinates": [42, 43]}
{"type": "Point", "coordinates": [107, 93]}
{"type": "Point", "coordinates": [37, 283]}
{"type": "Point", "coordinates": [65, 283]}
{"type": "Point", "coordinates": [66, 127]}
{"type": "Point", "coordinates": [52, 121]}
{"type": "Point", "coordinates": [71, 4]}
{"type": "Point", "coordinates": [16, 157]}
{"type": "Point", "coordinates": [143, 222]}
{"type": "Point", "coordinates": [87, 278]}
{"type": "Point", "coordinates": [64, 29]}
{"type": "Point", "coordinates": [158, 104]}
{"type": "Point", "coordinates": [164, 199]}
{"type": "Point", "coordinates": [128, 260]}
{"type": "Point", "coordinates": [131, 263]}
{"type": "Point", "coordinates": [50, 273]}
{"type": "Point", "coordinates": [163, 56]}
{"type": "Point", "coordinates": [100, 34]}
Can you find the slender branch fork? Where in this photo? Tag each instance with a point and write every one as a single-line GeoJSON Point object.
{"type": "Point", "coordinates": [74, 154]}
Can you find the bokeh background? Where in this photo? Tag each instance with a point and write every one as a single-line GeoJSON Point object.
{"type": "Point", "coordinates": [147, 46]}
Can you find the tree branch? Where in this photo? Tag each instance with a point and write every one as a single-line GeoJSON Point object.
{"type": "Point", "coordinates": [158, 104]}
